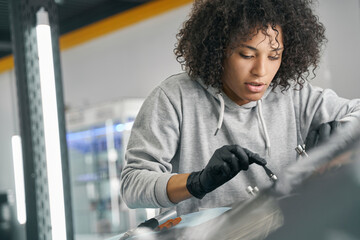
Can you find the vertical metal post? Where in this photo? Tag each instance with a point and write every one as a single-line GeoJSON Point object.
{"type": "Point", "coordinates": [23, 22]}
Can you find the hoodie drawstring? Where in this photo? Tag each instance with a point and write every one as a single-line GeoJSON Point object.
{"type": "Point", "coordinates": [260, 115]}
{"type": "Point", "coordinates": [262, 121]}
{"type": "Point", "coordinates": [221, 113]}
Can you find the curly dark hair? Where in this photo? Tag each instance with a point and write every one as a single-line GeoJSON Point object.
{"type": "Point", "coordinates": [216, 25]}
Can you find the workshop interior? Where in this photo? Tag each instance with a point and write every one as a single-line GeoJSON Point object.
{"type": "Point", "coordinates": [62, 151]}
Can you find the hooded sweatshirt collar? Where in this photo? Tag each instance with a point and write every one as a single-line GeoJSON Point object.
{"type": "Point", "coordinates": [230, 104]}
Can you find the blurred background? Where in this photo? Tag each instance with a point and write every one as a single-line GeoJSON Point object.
{"type": "Point", "coordinates": [112, 53]}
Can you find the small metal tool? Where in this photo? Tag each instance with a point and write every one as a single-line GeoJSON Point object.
{"type": "Point", "coordinates": [300, 149]}
{"type": "Point", "coordinates": [270, 174]}
{"type": "Point", "coordinates": [151, 223]}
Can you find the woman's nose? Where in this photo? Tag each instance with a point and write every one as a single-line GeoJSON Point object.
{"type": "Point", "coordinates": [259, 67]}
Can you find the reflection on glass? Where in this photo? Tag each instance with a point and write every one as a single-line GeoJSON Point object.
{"type": "Point", "coordinates": [96, 158]}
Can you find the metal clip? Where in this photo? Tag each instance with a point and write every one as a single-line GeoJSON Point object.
{"type": "Point", "coordinates": [300, 149]}
{"type": "Point", "coordinates": [252, 190]}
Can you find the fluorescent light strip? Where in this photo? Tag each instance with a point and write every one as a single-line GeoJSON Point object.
{"type": "Point", "coordinates": [51, 126]}
{"type": "Point", "coordinates": [19, 178]}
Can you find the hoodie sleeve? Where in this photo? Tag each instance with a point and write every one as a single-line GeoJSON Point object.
{"type": "Point", "coordinates": [152, 144]}
{"type": "Point", "coordinates": [318, 106]}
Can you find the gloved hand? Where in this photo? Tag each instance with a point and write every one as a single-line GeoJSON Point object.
{"type": "Point", "coordinates": [225, 164]}
{"type": "Point", "coordinates": [321, 134]}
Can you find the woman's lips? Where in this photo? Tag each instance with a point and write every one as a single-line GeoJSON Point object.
{"type": "Point", "coordinates": [255, 87]}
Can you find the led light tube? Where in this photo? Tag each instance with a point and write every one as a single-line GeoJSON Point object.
{"type": "Point", "coordinates": [51, 126]}
{"type": "Point", "coordinates": [19, 179]}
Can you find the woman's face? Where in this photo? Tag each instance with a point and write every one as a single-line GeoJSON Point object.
{"type": "Point", "coordinates": [250, 68]}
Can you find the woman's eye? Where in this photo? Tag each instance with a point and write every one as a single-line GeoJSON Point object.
{"type": "Point", "coordinates": [274, 57]}
{"type": "Point", "coordinates": [245, 56]}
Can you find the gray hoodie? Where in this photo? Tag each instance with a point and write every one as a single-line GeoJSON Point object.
{"type": "Point", "coordinates": [174, 133]}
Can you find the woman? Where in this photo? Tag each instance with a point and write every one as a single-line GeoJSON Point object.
{"type": "Point", "coordinates": [247, 64]}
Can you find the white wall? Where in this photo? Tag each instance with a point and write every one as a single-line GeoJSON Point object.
{"type": "Point", "coordinates": [7, 129]}
{"type": "Point", "coordinates": [341, 64]}
{"type": "Point", "coordinates": [127, 63]}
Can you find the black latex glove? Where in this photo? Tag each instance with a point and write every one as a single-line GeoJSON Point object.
{"type": "Point", "coordinates": [225, 164]}
{"type": "Point", "coordinates": [321, 134]}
